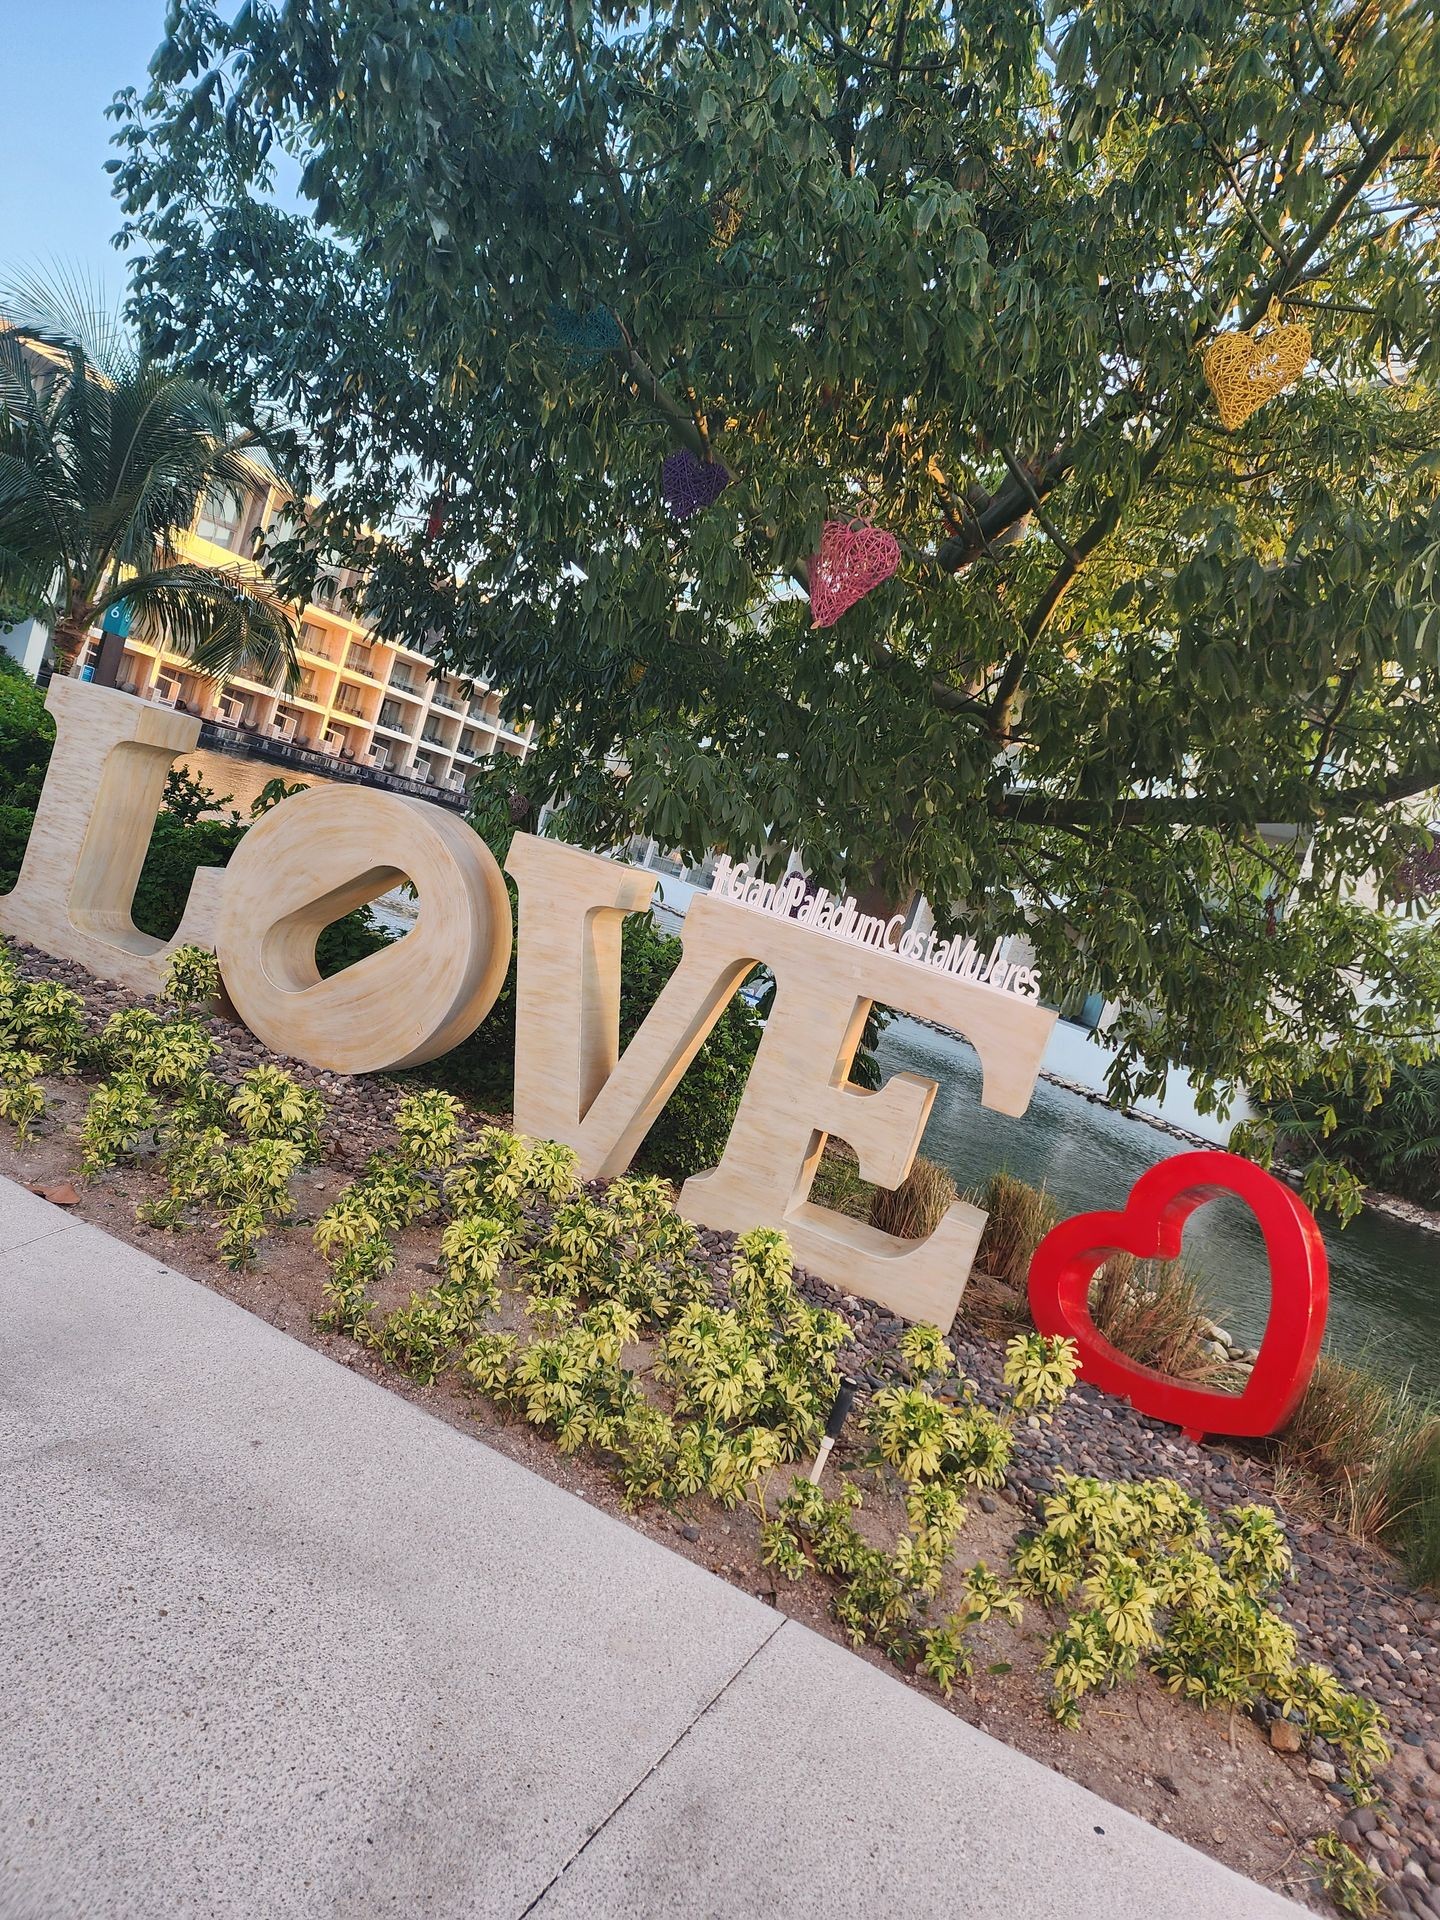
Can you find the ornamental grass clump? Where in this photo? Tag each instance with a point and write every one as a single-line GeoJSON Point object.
{"type": "Point", "coordinates": [1154, 1311]}
{"type": "Point", "coordinates": [914, 1209]}
{"type": "Point", "coordinates": [1146, 1580]}
{"type": "Point", "coordinates": [1017, 1218]}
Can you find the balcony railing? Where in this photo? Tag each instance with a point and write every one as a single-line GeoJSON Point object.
{"type": "Point", "coordinates": [259, 746]}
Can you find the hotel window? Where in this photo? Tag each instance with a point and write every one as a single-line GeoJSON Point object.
{"type": "Point", "coordinates": [220, 518]}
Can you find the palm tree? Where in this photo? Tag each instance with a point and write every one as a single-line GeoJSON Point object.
{"type": "Point", "coordinates": [105, 458]}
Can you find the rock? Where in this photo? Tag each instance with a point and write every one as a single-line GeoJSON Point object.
{"type": "Point", "coordinates": [689, 1533]}
{"type": "Point", "coordinates": [1321, 1770]}
{"type": "Point", "coordinates": [62, 1194]}
{"type": "Point", "coordinates": [1285, 1738]}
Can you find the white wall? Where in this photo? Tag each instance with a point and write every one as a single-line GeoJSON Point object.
{"type": "Point", "coordinates": [26, 643]}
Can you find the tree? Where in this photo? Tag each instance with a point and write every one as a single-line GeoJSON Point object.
{"type": "Point", "coordinates": [1159, 693]}
{"type": "Point", "coordinates": [105, 458]}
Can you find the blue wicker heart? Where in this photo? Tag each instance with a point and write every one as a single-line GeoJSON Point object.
{"type": "Point", "coordinates": [585, 336]}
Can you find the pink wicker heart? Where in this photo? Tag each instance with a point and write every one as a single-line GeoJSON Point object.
{"type": "Point", "coordinates": [854, 558]}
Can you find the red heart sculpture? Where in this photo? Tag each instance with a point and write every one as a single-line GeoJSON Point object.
{"type": "Point", "coordinates": [1160, 1203]}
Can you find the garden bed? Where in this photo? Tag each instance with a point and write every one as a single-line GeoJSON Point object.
{"type": "Point", "coordinates": [1213, 1779]}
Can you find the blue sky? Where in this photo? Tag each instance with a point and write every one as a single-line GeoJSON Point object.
{"type": "Point", "coordinates": [60, 63]}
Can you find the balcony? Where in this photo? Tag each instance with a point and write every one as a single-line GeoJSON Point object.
{"type": "Point", "coordinates": [247, 744]}
{"type": "Point", "coordinates": [364, 662]}
{"type": "Point", "coordinates": [440, 699]}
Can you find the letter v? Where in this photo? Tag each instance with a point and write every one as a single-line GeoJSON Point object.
{"type": "Point", "coordinates": [571, 1083]}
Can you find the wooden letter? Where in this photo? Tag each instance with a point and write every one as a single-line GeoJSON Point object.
{"type": "Point", "coordinates": [571, 1083]}
{"type": "Point", "coordinates": [798, 1094]}
{"type": "Point", "coordinates": [91, 832]}
{"type": "Point", "coordinates": [315, 857]}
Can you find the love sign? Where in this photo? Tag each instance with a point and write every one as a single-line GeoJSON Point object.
{"type": "Point", "coordinates": [1160, 1203]}
{"type": "Point", "coordinates": [330, 848]}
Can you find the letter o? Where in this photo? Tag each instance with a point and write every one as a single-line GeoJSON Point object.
{"type": "Point", "coordinates": [320, 854]}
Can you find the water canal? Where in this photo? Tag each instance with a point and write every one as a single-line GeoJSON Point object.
{"type": "Point", "coordinates": [1384, 1274]}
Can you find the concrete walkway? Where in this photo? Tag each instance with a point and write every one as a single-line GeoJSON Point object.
{"type": "Point", "coordinates": [274, 1642]}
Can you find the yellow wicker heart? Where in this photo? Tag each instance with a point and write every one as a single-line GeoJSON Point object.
{"type": "Point", "coordinates": [1244, 371]}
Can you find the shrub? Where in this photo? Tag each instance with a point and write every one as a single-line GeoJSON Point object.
{"type": "Point", "coordinates": [42, 1018]}
{"type": "Point", "coordinates": [937, 1448]}
{"type": "Point", "coordinates": [1389, 1137]}
{"type": "Point", "coordinates": [27, 735]}
{"type": "Point", "coordinates": [192, 978]}
{"type": "Point", "coordinates": [1136, 1564]}
{"type": "Point", "coordinates": [270, 1104]}
{"type": "Point", "coordinates": [429, 1129]}
{"type": "Point", "coordinates": [22, 1098]}
{"type": "Point", "coordinates": [916, 1207]}
{"type": "Point", "coordinates": [1353, 1885]}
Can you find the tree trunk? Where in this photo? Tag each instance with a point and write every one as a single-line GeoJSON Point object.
{"type": "Point", "coordinates": [68, 638]}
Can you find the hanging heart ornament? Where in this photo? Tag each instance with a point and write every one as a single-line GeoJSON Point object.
{"type": "Point", "coordinates": [1160, 1203]}
{"type": "Point", "coordinates": [1244, 370]}
{"type": "Point", "coordinates": [585, 337]}
{"type": "Point", "coordinates": [853, 560]}
{"type": "Point", "coordinates": [690, 484]}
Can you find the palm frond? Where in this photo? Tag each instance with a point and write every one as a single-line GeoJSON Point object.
{"type": "Point", "coordinates": [63, 307]}
{"type": "Point", "coordinates": [223, 620]}
{"type": "Point", "coordinates": [27, 537]}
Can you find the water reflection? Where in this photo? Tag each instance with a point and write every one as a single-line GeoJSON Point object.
{"type": "Point", "coordinates": [1384, 1275]}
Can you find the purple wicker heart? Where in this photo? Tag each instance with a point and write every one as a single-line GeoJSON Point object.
{"type": "Point", "coordinates": [689, 484]}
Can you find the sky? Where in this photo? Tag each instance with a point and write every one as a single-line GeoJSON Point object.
{"type": "Point", "coordinates": [61, 61]}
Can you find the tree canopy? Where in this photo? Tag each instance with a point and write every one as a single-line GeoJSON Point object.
{"type": "Point", "coordinates": [1159, 693]}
